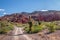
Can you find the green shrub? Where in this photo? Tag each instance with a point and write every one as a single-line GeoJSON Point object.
{"type": "Point", "coordinates": [51, 26]}
{"type": "Point", "coordinates": [5, 27]}
{"type": "Point", "coordinates": [35, 29]}
{"type": "Point", "coordinates": [39, 22]}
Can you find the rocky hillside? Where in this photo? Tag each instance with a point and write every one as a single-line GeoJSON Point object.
{"type": "Point", "coordinates": [50, 15]}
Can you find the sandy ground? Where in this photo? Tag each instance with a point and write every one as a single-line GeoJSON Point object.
{"type": "Point", "coordinates": [18, 34]}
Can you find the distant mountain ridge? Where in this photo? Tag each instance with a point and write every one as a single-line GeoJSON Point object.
{"type": "Point", "coordinates": [23, 17]}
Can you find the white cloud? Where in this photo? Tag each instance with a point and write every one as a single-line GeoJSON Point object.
{"type": "Point", "coordinates": [2, 9]}
{"type": "Point", "coordinates": [43, 10]}
{"type": "Point", "coordinates": [4, 13]}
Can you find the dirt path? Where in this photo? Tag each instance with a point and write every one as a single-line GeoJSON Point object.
{"type": "Point", "coordinates": [25, 36]}
{"type": "Point", "coordinates": [19, 34]}
{"type": "Point", "coordinates": [15, 33]}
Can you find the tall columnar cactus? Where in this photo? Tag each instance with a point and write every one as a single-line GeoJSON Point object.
{"type": "Point", "coordinates": [30, 24]}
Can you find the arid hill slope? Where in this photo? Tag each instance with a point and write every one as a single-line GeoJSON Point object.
{"type": "Point", "coordinates": [50, 15]}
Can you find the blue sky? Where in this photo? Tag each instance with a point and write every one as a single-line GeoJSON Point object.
{"type": "Point", "coordinates": [12, 6]}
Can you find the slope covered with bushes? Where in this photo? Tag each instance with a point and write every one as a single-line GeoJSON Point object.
{"type": "Point", "coordinates": [5, 26]}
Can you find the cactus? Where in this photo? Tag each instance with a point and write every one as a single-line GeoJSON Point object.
{"type": "Point", "coordinates": [30, 24]}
